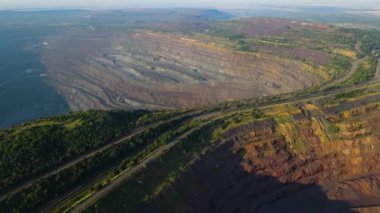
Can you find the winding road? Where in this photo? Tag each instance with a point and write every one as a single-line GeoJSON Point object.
{"type": "Point", "coordinates": [350, 72]}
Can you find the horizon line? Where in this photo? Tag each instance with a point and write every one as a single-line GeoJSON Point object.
{"type": "Point", "coordinates": [263, 6]}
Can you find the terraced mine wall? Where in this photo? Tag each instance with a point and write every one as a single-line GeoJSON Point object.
{"type": "Point", "coordinates": [311, 151]}
{"type": "Point", "coordinates": [341, 156]}
{"type": "Point", "coordinates": [146, 69]}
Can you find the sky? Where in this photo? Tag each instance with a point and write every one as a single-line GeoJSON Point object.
{"type": "Point", "coordinates": [108, 4]}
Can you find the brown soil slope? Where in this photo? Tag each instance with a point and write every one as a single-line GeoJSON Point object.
{"type": "Point", "coordinates": [305, 160]}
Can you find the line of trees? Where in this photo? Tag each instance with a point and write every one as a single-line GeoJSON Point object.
{"type": "Point", "coordinates": [31, 149]}
{"type": "Point", "coordinates": [52, 187]}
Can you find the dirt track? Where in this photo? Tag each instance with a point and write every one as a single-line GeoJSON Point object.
{"type": "Point", "coordinates": [377, 74]}
{"type": "Point", "coordinates": [350, 72]}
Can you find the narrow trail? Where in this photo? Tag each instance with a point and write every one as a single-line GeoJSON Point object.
{"type": "Point", "coordinates": [87, 155]}
{"type": "Point", "coordinates": [377, 74]}
{"type": "Point", "coordinates": [352, 69]}
{"type": "Point", "coordinates": [358, 47]}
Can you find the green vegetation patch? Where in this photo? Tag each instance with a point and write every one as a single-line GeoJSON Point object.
{"type": "Point", "coordinates": [364, 72]}
{"type": "Point", "coordinates": [55, 185]}
{"type": "Point", "coordinates": [369, 39]}
{"type": "Point", "coordinates": [128, 162]}
{"type": "Point", "coordinates": [157, 116]}
{"type": "Point", "coordinates": [338, 65]}
{"type": "Point", "coordinates": [158, 175]}
{"type": "Point", "coordinates": [33, 148]}
{"type": "Point", "coordinates": [343, 97]}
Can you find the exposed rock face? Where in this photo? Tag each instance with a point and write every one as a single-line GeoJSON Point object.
{"type": "Point", "coordinates": [154, 70]}
{"type": "Point", "coordinates": [300, 164]}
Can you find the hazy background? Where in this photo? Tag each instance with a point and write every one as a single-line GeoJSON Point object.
{"type": "Point", "coordinates": [109, 4]}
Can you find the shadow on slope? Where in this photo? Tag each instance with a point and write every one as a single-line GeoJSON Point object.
{"type": "Point", "coordinates": [218, 183]}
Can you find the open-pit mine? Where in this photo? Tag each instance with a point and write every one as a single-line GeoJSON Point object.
{"type": "Point", "coordinates": [206, 113]}
{"type": "Point", "coordinates": [102, 69]}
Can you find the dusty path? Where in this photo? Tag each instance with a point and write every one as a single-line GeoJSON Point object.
{"type": "Point", "coordinates": [350, 72]}
{"type": "Point", "coordinates": [92, 153]}
{"type": "Point", "coordinates": [377, 74]}
{"type": "Point", "coordinates": [352, 69]}
{"type": "Point", "coordinates": [358, 47]}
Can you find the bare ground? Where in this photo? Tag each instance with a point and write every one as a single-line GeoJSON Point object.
{"type": "Point", "coordinates": [155, 70]}
{"type": "Point", "coordinates": [377, 74]}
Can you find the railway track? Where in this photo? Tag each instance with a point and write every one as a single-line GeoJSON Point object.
{"type": "Point", "coordinates": [90, 154]}
{"type": "Point", "coordinates": [127, 173]}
